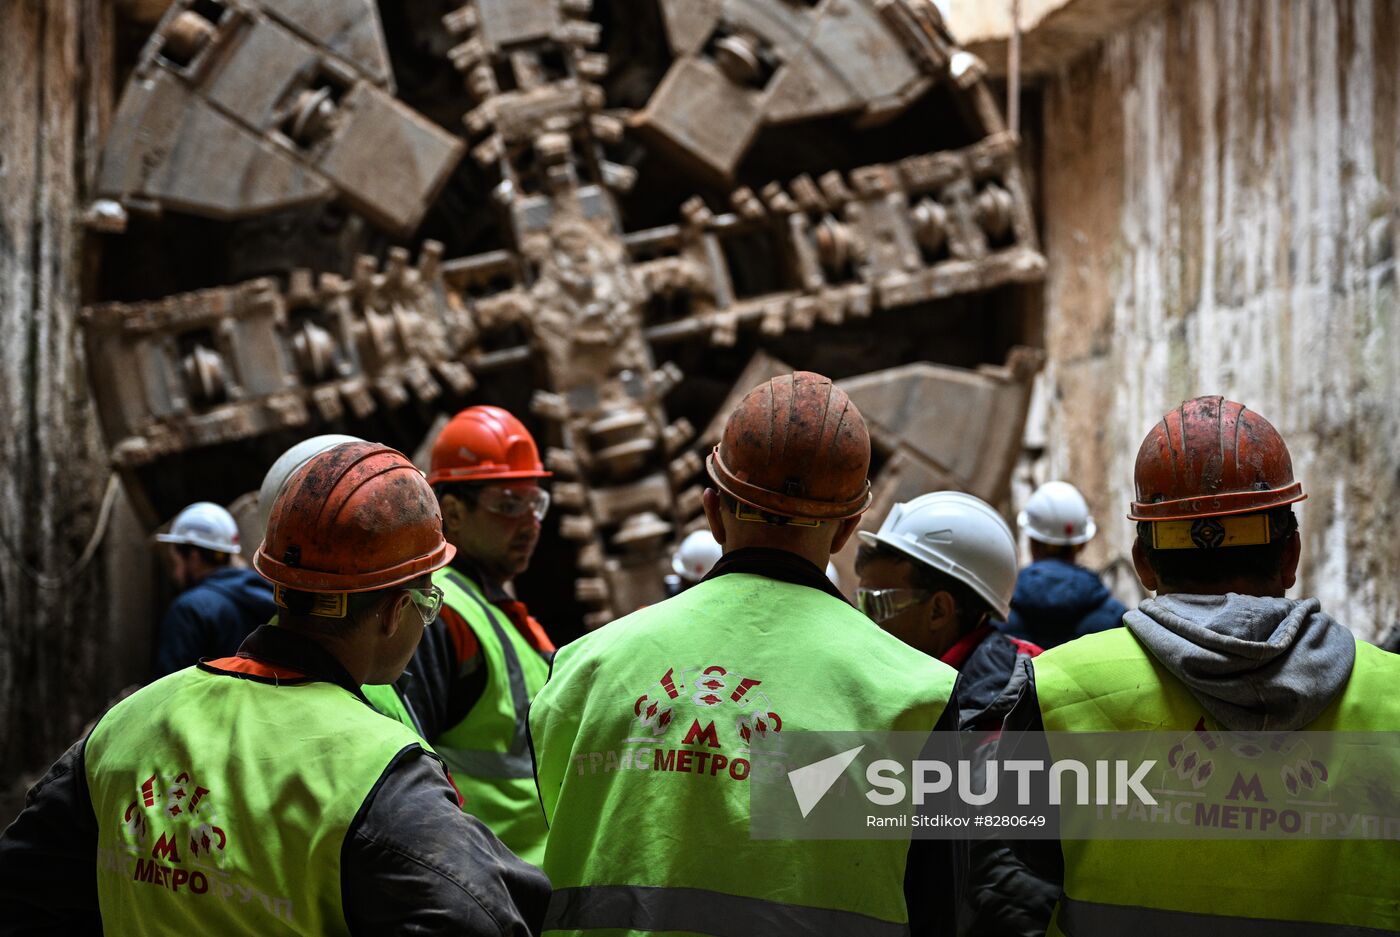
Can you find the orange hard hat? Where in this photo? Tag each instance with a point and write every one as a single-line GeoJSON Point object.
{"type": "Point", "coordinates": [356, 518]}
{"type": "Point", "coordinates": [1212, 457]}
{"type": "Point", "coordinates": [484, 444]}
{"type": "Point", "coordinates": [795, 446]}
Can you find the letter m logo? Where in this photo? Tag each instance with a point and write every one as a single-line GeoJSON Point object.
{"type": "Point", "coordinates": [1247, 790]}
{"type": "Point", "coordinates": [699, 736]}
{"type": "Point", "coordinates": [165, 848]}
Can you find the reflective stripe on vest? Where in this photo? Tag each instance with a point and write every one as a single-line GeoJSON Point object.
{"type": "Point", "coordinates": [489, 750]}
{"type": "Point", "coordinates": [696, 911]}
{"type": "Point", "coordinates": [1089, 919]}
{"type": "Point", "coordinates": [1109, 682]}
{"type": "Point", "coordinates": [643, 738]}
{"type": "Point", "coordinates": [515, 761]}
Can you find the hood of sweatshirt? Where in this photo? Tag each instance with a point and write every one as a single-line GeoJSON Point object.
{"type": "Point", "coordinates": [245, 588]}
{"type": "Point", "coordinates": [1255, 663]}
{"type": "Point", "coordinates": [1057, 594]}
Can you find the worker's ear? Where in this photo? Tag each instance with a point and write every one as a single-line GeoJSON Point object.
{"type": "Point", "coordinates": [1145, 573]}
{"type": "Point", "coordinates": [1292, 552]}
{"type": "Point", "coordinates": [391, 614]}
{"type": "Point", "coordinates": [943, 610]}
{"type": "Point", "coordinates": [844, 530]}
{"type": "Point", "coordinates": [454, 512]}
{"type": "Point", "coordinates": [714, 514]}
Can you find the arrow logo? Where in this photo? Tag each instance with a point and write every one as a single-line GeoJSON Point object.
{"type": "Point", "coordinates": [811, 782]}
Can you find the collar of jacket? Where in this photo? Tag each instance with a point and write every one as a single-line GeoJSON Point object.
{"type": "Point", "coordinates": [517, 611]}
{"type": "Point", "coordinates": [282, 648]}
{"type": "Point", "coordinates": [958, 654]}
{"type": "Point", "coordinates": [775, 564]}
{"type": "Point", "coordinates": [495, 594]}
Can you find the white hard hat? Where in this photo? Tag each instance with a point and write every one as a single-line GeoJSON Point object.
{"type": "Point", "coordinates": [287, 464]}
{"type": "Point", "coordinates": [1057, 514]}
{"type": "Point", "coordinates": [698, 552]}
{"type": "Point", "coordinates": [959, 535]}
{"type": "Point", "coordinates": [204, 524]}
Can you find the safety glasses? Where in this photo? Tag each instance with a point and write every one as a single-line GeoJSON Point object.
{"type": "Point", "coordinates": [881, 605]}
{"type": "Point", "coordinates": [428, 602]}
{"type": "Point", "coordinates": [515, 502]}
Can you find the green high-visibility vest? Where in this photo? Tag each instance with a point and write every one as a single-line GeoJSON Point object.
{"type": "Point", "coordinates": [641, 737]}
{"type": "Point", "coordinates": [385, 697]}
{"type": "Point", "coordinates": [1109, 682]}
{"type": "Point", "coordinates": [223, 802]}
{"type": "Point", "coordinates": [489, 751]}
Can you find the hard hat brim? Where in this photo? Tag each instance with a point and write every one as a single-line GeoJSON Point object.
{"type": "Point", "coordinates": [997, 604]}
{"type": "Point", "coordinates": [1091, 529]}
{"type": "Point", "coordinates": [307, 580]}
{"type": "Point", "coordinates": [475, 475]}
{"type": "Point", "coordinates": [1221, 505]}
{"type": "Point", "coordinates": [774, 502]}
{"type": "Point", "coordinates": [201, 542]}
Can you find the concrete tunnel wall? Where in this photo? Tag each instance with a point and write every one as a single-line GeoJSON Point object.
{"type": "Point", "coordinates": [1219, 202]}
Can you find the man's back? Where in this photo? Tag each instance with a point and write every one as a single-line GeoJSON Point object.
{"type": "Point", "coordinates": [251, 795]}
{"type": "Point", "coordinates": [175, 792]}
{"type": "Point", "coordinates": [1292, 669]}
{"type": "Point", "coordinates": [1056, 601]}
{"type": "Point", "coordinates": [211, 618]}
{"type": "Point", "coordinates": [642, 738]}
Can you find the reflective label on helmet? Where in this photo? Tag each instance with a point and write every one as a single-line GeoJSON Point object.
{"type": "Point", "coordinates": [1207, 533]}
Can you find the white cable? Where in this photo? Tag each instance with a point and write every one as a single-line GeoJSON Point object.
{"type": "Point", "coordinates": [99, 530]}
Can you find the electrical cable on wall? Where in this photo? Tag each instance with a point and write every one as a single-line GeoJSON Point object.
{"type": "Point", "coordinates": [99, 531]}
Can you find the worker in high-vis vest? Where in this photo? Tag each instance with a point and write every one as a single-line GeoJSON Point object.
{"type": "Point", "coordinates": [1220, 648]}
{"type": "Point", "coordinates": [261, 793]}
{"type": "Point", "coordinates": [936, 575]}
{"type": "Point", "coordinates": [481, 663]}
{"type": "Point", "coordinates": [388, 698]}
{"type": "Point", "coordinates": [657, 839]}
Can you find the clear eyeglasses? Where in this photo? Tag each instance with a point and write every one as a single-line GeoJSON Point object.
{"type": "Point", "coordinates": [428, 602]}
{"type": "Point", "coordinates": [515, 502]}
{"type": "Point", "coordinates": [883, 604]}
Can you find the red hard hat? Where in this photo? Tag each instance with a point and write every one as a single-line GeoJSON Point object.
{"type": "Point", "coordinates": [1212, 457]}
{"type": "Point", "coordinates": [795, 446]}
{"type": "Point", "coordinates": [484, 444]}
{"type": "Point", "coordinates": [356, 518]}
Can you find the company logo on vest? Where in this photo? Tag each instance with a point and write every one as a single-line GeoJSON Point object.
{"type": "Point", "coordinates": [179, 811]}
{"type": "Point", "coordinates": [723, 711]}
{"type": "Point", "coordinates": [179, 843]}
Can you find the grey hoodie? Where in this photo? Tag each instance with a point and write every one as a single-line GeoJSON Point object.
{"type": "Point", "coordinates": [1255, 663]}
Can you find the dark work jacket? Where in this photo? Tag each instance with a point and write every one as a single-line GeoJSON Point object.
{"type": "Point", "coordinates": [989, 680]}
{"type": "Point", "coordinates": [935, 874]}
{"type": "Point", "coordinates": [412, 861]}
{"type": "Point", "coordinates": [211, 618]}
{"type": "Point", "coordinates": [1005, 898]}
{"type": "Point", "coordinates": [1055, 602]}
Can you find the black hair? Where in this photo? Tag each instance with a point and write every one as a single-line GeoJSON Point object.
{"type": "Point", "coordinates": [969, 607]}
{"type": "Point", "coordinates": [1207, 569]}
{"type": "Point", "coordinates": [300, 604]}
{"type": "Point", "coordinates": [207, 556]}
{"type": "Point", "coordinates": [469, 493]}
{"type": "Point", "coordinates": [1056, 551]}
